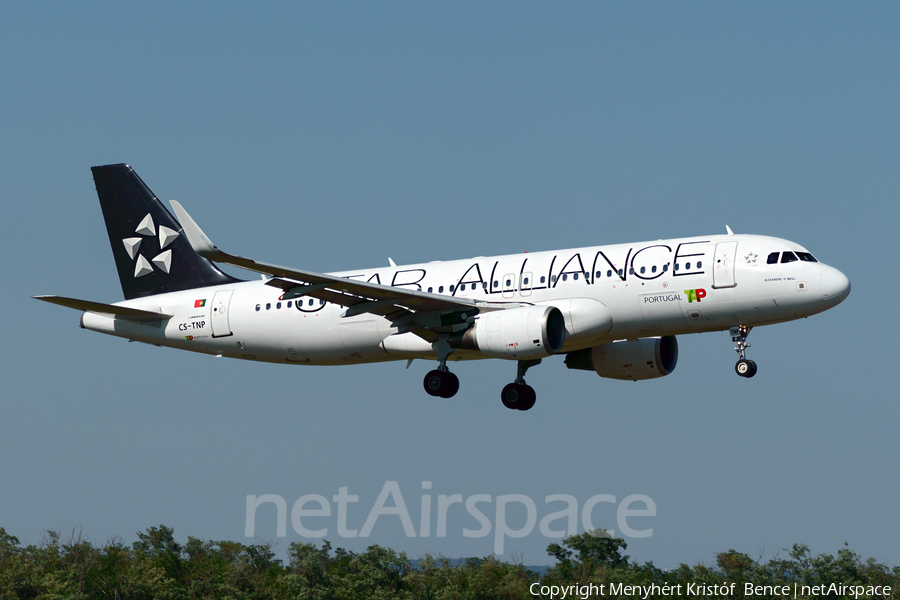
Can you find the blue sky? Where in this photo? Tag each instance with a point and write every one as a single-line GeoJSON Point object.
{"type": "Point", "coordinates": [331, 137]}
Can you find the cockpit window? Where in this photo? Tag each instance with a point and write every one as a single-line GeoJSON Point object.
{"type": "Point", "coordinates": [773, 258]}
{"type": "Point", "coordinates": [787, 257]}
{"type": "Point", "coordinates": [806, 257]}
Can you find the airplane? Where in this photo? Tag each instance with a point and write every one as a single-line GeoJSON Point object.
{"type": "Point", "coordinates": [615, 310]}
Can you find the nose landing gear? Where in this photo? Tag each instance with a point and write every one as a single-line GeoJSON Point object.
{"type": "Point", "coordinates": [518, 395]}
{"type": "Point", "coordinates": [744, 367]}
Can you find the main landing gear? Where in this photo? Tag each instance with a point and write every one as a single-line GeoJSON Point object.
{"type": "Point", "coordinates": [518, 395]}
{"type": "Point", "coordinates": [744, 367]}
{"type": "Point", "coordinates": [441, 382]}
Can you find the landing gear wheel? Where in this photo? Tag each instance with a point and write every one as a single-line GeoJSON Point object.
{"type": "Point", "coordinates": [451, 383]}
{"type": "Point", "coordinates": [529, 398]}
{"type": "Point", "coordinates": [752, 369]}
{"type": "Point", "coordinates": [518, 396]}
{"type": "Point", "coordinates": [510, 395]}
{"type": "Point", "coordinates": [745, 368]}
{"type": "Point", "coordinates": [434, 382]}
{"type": "Point", "coordinates": [442, 384]}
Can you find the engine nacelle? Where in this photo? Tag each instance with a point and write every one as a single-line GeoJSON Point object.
{"type": "Point", "coordinates": [585, 318]}
{"type": "Point", "coordinates": [523, 333]}
{"type": "Point", "coordinates": [646, 358]}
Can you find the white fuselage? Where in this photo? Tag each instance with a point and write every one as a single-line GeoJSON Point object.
{"type": "Point", "coordinates": [666, 287]}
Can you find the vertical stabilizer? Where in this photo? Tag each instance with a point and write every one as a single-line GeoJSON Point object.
{"type": "Point", "coordinates": [152, 254]}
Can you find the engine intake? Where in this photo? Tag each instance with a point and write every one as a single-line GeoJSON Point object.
{"type": "Point", "coordinates": [523, 333]}
{"type": "Point", "coordinates": [646, 358]}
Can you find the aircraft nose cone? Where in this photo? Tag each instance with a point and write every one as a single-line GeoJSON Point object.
{"type": "Point", "coordinates": [835, 285]}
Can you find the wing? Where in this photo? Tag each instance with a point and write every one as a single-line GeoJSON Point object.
{"type": "Point", "coordinates": [408, 310]}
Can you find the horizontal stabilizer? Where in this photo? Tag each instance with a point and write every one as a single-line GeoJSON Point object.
{"type": "Point", "coordinates": [132, 314]}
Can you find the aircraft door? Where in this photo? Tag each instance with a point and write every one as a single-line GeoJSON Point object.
{"type": "Point", "coordinates": [723, 270]}
{"type": "Point", "coordinates": [219, 314]}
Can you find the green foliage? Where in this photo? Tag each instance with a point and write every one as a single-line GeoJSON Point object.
{"type": "Point", "coordinates": [156, 566]}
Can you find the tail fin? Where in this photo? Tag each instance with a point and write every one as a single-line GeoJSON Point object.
{"type": "Point", "coordinates": [152, 254]}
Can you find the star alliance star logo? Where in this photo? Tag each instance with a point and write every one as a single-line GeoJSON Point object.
{"type": "Point", "coordinates": [163, 260]}
{"type": "Point", "coordinates": [751, 258]}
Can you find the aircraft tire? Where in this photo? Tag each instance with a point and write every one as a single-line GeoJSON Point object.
{"type": "Point", "coordinates": [451, 385]}
{"type": "Point", "coordinates": [530, 397]}
{"type": "Point", "coordinates": [434, 382]}
{"type": "Point", "coordinates": [512, 396]}
{"type": "Point", "coordinates": [752, 370]}
{"type": "Point", "coordinates": [745, 368]}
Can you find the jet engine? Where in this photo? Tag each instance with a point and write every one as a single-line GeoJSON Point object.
{"type": "Point", "coordinates": [646, 358]}
{"type": "Point", "coordinates": [523, 333]}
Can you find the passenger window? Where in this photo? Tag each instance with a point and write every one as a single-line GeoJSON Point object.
{"type": "Point", "coordinates": [787, 257]}
{"type": "Point", "coordinates": [631, 271]}
{"type": "Point", "coordinates": [268, 305]}
{"type": "Point", "coordinates": [620, 272]}
{"type": "Point", "coordinates": [543, 279]}
{"type": "Point", "coordinates": [553, 279]}
{"type": "Point", "coordinates": [575, 276]}
{"type": "Point", "coordinates": [257, 308]}
{"type": "Point", "coordinates": [278, 305]}
{"type": "Point", "coordinates": [310, 302]}
{"type": "Point", "coordinates": [665, 268]}
{"type": "Point", "coordinates": [496, 283]}
{"type": "Point", "coordinates": [643, 269]}
{"type": "Point", "coordinates": [677, 266]}
{"type": "Point", "coordinates": [289, 303]}
{"type": "Point", "coordinates": [429, 290]}
{"type": "Point", "coordinates": [508, 283]}
{"type": "Point", "coordinates": [451, 288]}
{"type": "Point", "coordinates": [806, 257]}
{"type": "Point", "coordinates": [653, 270]}
{"type": "Point", "coordinates": [609, 273]}
{"type": "Point", "coordinates": [699, 264]}
{"type": "Point", "coordinates": [440, 289]}
{"type": "Point", "coordinates": [565, 277]}
{"type": "Point", "coordinates": [773, 258]}
{"type": "Point", "coordinates": [687, 266]}
{"type": "Point", "coordinates": [525, 281]}
{"type": "Point", "coordinates": [321, 303]}
{"type": "Point", "coordinates": [598, 274]}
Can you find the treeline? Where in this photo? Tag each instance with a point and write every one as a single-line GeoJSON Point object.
{"type": "Point", "coordinates": [158, 567]}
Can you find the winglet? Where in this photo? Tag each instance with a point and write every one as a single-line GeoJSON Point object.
{"type": "Point", "coordinates": [201, 244]}
{"type": "Point", "coordinates": [727, 228]}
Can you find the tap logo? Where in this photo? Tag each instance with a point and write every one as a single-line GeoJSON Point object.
{"type": "Point", "coordinates": [697, 294]}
